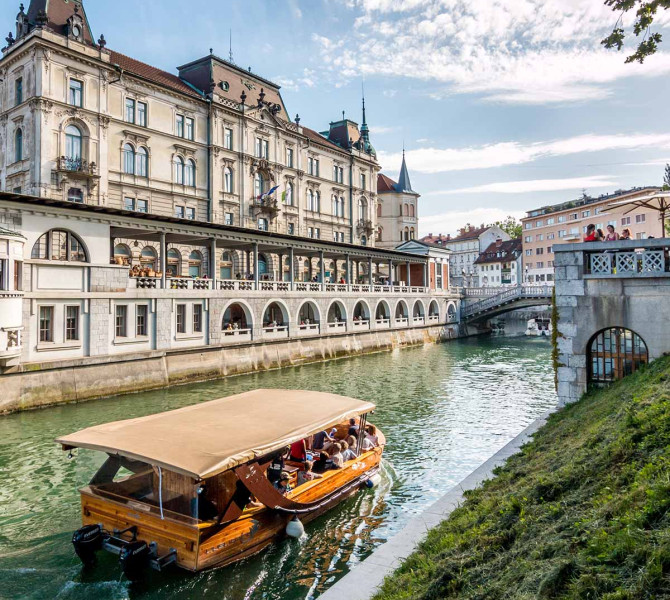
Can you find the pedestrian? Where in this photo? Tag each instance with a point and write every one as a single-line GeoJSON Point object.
{"type": "Point", "coordinates": [625, 234]}
{"type": "Point", "coordinates": [612, 236]}
{"type": "Point", "coordinates": [590, 233]}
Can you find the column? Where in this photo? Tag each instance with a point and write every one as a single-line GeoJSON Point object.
{"type": "Point", "coordinates": [409, 279]}
{"type": "Point", "coordinates": [370, 277]}
{"type": "Point", "coordinates": [247, 263]}
{"type": "Point", "coordinates": [212, 262]}
{"type": "Point", "coordinates": [163, 259]}
{"type": "Point", "coordinates": [425, 275]}
{"type": "Point", "coordinates": [322, 264]}
{"type": "Point", "coordinates": [256, 265]}
{"type": "Point", "coordinates": [391, 272]}
{"type": "Point", "coordinates": [280, 271]}
{"type": "Point", "coordinates": [291, 267]}
{"type": "Point", "coordinates": [347, 277]}
{"type": "Point", "coordinates": [335, 270]}
{"type": "Point", "coordinates": [311, 269]}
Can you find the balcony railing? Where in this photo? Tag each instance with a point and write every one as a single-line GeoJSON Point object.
{"type": "Point", "coordinates": [184, 283]}
{"type": "Point", "coordinates": [236, 335]}
{"type": "Point", "coordinates": [76, 165]}
{"type": "Point", "coordinates": [337, 326]}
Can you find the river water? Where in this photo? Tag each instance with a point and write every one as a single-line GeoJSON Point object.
{"type": "Point", "coordinates": [444, 409]}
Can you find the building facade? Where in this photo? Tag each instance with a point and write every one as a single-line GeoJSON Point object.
{"type": "Point", "coordinates": [500, 265]}
{"type": "Point", "coordinates": [397, 209]}
{"type": "Point", "coordinates": [566, 223]}
{"type": "Point", "coordinates": [82, 123]}
{"type": "Point", "coordinates": [465, 250]}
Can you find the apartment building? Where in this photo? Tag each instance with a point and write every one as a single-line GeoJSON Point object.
{"type": "Point", "coordinates": [566, 222]}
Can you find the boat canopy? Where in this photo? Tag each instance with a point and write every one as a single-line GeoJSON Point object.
{"type": "Point", "coordinates": [206, 439]}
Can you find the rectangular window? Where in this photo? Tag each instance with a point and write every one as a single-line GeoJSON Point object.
{"type": "Point", "coordinates": [121, 321]}
{"type": "Point", "coordinates": [76, 92]}
{"type": "Point", "coordinates": [71, 323]}
{"type": "Point", "coordinates": [265, 146]}
{"type": "Point", "coordinates": [549, 249]}
{"type": "Point", "coordinates": [310, 166]}
{"type": "Point", "coordinates": [190, 129]}
{"type": "Point", "coordinates": [335, 236]}
{"type": "Point", "coordinates": [586, 213]}
{"type": "Point", "coordinates": [262, 224]}
{"type": "Point", "coordinates": [142, 114]}
{"type": "Point", "coordinates": [641, 236]}
{"type": "Point", "coordinates": [539, 237]}
{"type": "Point", "coordinates": [538, 224]}
{"type": "Point", "coordinates": [310, 232]}
{"type": "Point", "coordinates": [316, 167]}
{"type": "Point", "coordinates": [291, 228]}
{"type": "Point", "coordinates": [141, 313]}
{"type": "Point", "coordinates": [46, 323]}
{"type": "Point", "coordinates": [363, 180]}
{"type": "Point", "coordinates": [574, 230]}
{"type": "Point", "coordinates": [179, 212]}
{"type": "Point", "coordinates": [640, 218]}
{"type": "Point", "coordinates": [289, 157]}
{"type": "Point", "coordinates": [142, 206]}
{"type": "Point", "coordinates": [130, 110]}
{"type": "Point", "coordinates": [181, 318]}
{"type": "Point", "coordinates": [625, 221]}
{"type": "Point", "coordinates": [18, 91]}
{"type": "Point", "coordinates": [4, 283]}
{"type": "Point", "coordinates": [129, 204]}
{"type": "Point", "coordinates": [228, 138]}
{"type": "Point", "coordinates": [550, 221]}
{"type": "Point", "coordinates": [561, 219]}
{"type": "Point", "coordinates": [190, 213]}
{"type": "Point", "coordinates": [258, 148]}
{"type": "Point", "coordinates": [179, 126]}
{"type": "Point", "coordinates": [573, 216]}
{"type": "Point", "coordinates": [540, 265]}
{"type": "Point", "coordinates": [529, 252]}
{"type": "Point", "coordinates": [317, 233]}
{"type": "Point", "coordinates": [551, 236]}
{"type": "Point", "coordinates": [527, 225]}
{"type": "Point", "coordinates": [228, 218]}
{"type": "Point", "coordinates": [197, 318]}
{"type": "Point", "coordinates": [18, 275]}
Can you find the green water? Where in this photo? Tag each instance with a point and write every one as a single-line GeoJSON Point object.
{"type": "Point", "coordinates": [444, 409]}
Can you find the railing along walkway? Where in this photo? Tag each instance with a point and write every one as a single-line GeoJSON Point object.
{"type": "Point", "coordinates": [509, 295]}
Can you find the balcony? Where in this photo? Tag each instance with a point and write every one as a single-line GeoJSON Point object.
{"type": "Point", "coordinates": [265, 206]}
{"type": "Point", "coordinates": [364, 227]}
{"type": "Point", "coordinates": [76, 166]}
{"type": "Point", "coordinates": [184, 283]}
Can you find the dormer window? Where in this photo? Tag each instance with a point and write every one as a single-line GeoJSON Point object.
{"type": "Point", "coordinates": [75, 26]}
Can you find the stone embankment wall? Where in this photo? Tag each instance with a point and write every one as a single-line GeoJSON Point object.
{"type": "Point", "coordinates": [93, 377]}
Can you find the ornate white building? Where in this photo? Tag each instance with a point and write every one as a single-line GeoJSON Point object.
{"type": "Point", "coordinates": [214, 142]}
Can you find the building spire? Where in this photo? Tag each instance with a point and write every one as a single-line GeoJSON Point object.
{"type": "Point", "coordinates": [404, 184]}
{"type": "Point", "coordinates": [230, 52]}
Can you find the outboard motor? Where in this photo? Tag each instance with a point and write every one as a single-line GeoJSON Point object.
{"type": "Point", "coordinates": [134, 558]}
{"type": "Point", "coordinates": [87, 541]}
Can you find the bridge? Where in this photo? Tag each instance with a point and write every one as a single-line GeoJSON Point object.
{"type": "Point", "coordinates": [520, 296]}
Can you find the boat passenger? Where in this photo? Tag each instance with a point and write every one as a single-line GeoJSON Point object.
{"type": "Point", "coordinates": [282, 484]}
{"type": "Point", "coordinates": [308, 474]}
{"type": "Point", "coordinates": [353, 427]}
{"type": "Point", "coordinates": [299, 451]}
{"type": "Point", "coordinates": [352, 442]}
{"type": "Point", "coordinates": [321, 463]}
{"type": "Point", "coordinates": [336, 459]}
{"type": "Point", "coordinates": [347, 454]}
{"type": "Point", "coordinates": [320, 439]}
{"type": "Point", "coordinates": [276, 467]}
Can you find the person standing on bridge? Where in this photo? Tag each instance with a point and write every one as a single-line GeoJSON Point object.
{"type": "Point", "coordinates": [591, 235]}
{"type": "Point", "coordinates": [612, 236]}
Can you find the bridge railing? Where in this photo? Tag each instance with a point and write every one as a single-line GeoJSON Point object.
{"type": "Point", "coordinates": [508, 295]}
{"type": "Point", "coordinates": [634, 258]}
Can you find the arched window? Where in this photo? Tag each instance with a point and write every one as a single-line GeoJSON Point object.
{"type": "Point", "coordinates": [173, 267]}
{"type": "Point", "coordinates": [228, 180]}
{"type": "Point", "coordinates": [235, 317]}
{"type": "Point", "coordinates": [226, 266]}
{"type": "Point", "coordinates": [73, 143]}
{"type": "Point", "coordinates": [310, 200]}
{"type": "Point", "coordinates": [59, 244]}
{"type": "Point", "coordinates": [289, 194]}
{"type": "Point", "coordinates": [142, 162]}
{"type": "Point", "coordinates": [122, 254]}
{"type": "Point", "coordinates": [189, 173]}
{"type": "Point", "coordinates": [262, 265]}
{"type": "Point", "coordinates": [615, 353]}
{"type": "Point", "coordinates": [361, 312]}
{"type": "Point", "coordinates": [342, 206]}
{"type": "Point", "coordinates": [406, 233]}
{"type": "Point", "coordinates": [259, 186]}
{"type": "Point", "coordinates": [378, 237]}
{"type": "Point", "coordinates": [195, 264]}
{"type": "Point", "coordinates": [382, 311]}
{"type": "Point", "coordinates": [405, 210]}
{"type": "Point", "coordinates": [336, 313]}
{"type": "Point", "coordinates": [18, 145]}
{"type": "Point", "coordinates": [401, 310]}
{"type": "Point", "coordinates": [148, 257]}
{"type": "Point", "coordinates": [411, 210]}
{"type": "Point", "coordinates": [308, 314]}
{"type": "Point", "coordinates": [334, 205]}
{"type": "Point", "coordinates": [128, 159]}
{"type": "Point", "coordinates": [274, 315]}
{"type": "Point", "coordinates": [178, 169]}
{"type": "Point", "coordinates": [379, 209]}
{"type": "Point", "coordinates": [411, 233]}
{"type": "Point", "coordinates": [317, 202]}
{"type": "Point", "coordinates": [362, 209]}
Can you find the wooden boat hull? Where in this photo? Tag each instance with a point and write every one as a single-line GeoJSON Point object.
{"type": "Point", "coordinates": [204, 545]}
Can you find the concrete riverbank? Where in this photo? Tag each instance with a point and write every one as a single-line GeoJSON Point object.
{"type": "Point", "coordinates": [364, 580]}
{"type": "Point", "coordinates": [45, 384]}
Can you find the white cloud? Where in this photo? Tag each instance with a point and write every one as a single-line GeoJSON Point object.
{"type": "Point", "coordinates": [533, 185]}
{"type": "Point", "coordinates": [512, 51]}
{"type": "Point", "coordinates": [452, 221]}
{"type": "Point", "coordinates": [382, 129]}
{"type": "Point", "coordinates": [501, 154]}
{"type": "Point", "coordinates": [307, 79]}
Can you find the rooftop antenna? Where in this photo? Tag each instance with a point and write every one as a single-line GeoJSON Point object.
{"type": "Point", "coordinates": [230, 53]}
{"type": "Point", "coordinates": [343, 115]}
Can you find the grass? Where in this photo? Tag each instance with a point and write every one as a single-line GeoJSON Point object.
{"type": "Point", "coordinates": [580, 512]}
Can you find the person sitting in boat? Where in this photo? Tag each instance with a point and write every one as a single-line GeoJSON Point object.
{"type": "Point", "coordinates": [321, 464]}
{"type": "Point", "coordinates": [353, 427]}
{"type": "Point", "coordinates": [282, 484]}
{"type": "Point", "coordinates": [352, 442]}
{"type": "Point", "coordinates": [336, 458]}
{"type": "Point", "coordinates": [308, 475]}
{"type": "Point", "coordinates": [276, 467]}
{"type": "Point", "coordinates": [347, 454]}
{"type": "Point", "coordinates": [369, 441]}
{"type": "Point", "coordinates": [299, 451]}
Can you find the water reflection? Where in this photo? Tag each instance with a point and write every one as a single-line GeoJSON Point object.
{"type": "Point", "coordinates": [444, 409]}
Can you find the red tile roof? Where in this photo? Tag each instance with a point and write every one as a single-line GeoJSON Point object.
{"type": "Point", "coordinates": [506, 252]}
{"type": "Point", "coordinates": [385, 184]}
{"type": "Point", "coordinates": [152, 74]}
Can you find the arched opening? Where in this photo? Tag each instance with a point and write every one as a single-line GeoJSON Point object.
{"type": "Point", "coordinates": [259, 186]}
{"type": "Point", "coordinates": [411, 210]}
{"type": "Point", "coordinates": [142, 169]}
{"type": "Point", "coordinates": [73, 147]}
{"type": "Point", "coordinates": [418, 312]}
{"type": "Point", "coordinates": [195, 264]}
{"type": "Point", "coordinates": [433, 311]}
{"type": "Point", "coordinates": [401, 311]}
{"type": "Point", "coordinates": [289, 194]}
{"type": "Point", "coordinates": [228, 180]}
{"type": "Point", "coordinates": [122, 254]}
{"type": "Point", "coordinates": [337, 315]}
{"type": "Point", "coordinates": [173, 267]}
{"type": "Point", "coordinates": [614, 353]}
{"type": "Point", "coordinates": [178, 165]}
{"type": "Point", "coordinates": [405, 210]}
{"type": "Point", "coordinates": [308, 316]}
{"type": "Point", "coordinates": [382, 313]}
{"type": "Point", "coordinates": [189, 173]}
{"type": "Point", "coordinates": [236, 318]}
{"type": "Point", "coordinates": [406, 234]}
{"type": "Point", "coordinates": [149, 258]}
{"type": "Point", "coordinates": [451, 312]}
{"type": "Point", "coordinates": [275, 315]}
{"type": "Point", "coordinates": [411, 233]}
{"type": "Point", "coordinates": [362, 209]}
{"type": "Point", "coordinates": [128, 159]}
{"type": "Point", "coordinates": [59, 244]}
{"type": "Point", "coordinates": [226, 266]}
{"type": "Point", "coordinates": [361, 313]}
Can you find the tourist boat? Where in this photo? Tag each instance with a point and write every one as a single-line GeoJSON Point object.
{"type": "Point", "coordinates": [539, 326]}
{"type": "Point", "coordinates": [178, 487]}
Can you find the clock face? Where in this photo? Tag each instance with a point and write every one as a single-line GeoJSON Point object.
{"type": "Point", "coordinates": [76, 31]}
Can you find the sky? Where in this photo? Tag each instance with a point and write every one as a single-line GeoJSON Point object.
{"type": "Point", "coordinates": [503, 106]}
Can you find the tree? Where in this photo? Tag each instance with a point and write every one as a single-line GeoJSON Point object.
{"type": "Point", "coordinates": [666, 178]}
{"type": "Point", "coordinates": [510, 226]}
{"type": "Point", "coordinates": [645, 13]}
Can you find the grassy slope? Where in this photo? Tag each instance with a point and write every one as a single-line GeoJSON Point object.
{"type": "Point", "coordinates": [581, 512]}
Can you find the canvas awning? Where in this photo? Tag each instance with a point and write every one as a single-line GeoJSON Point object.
{"type": "Point", "coordinates": [205, 439]}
